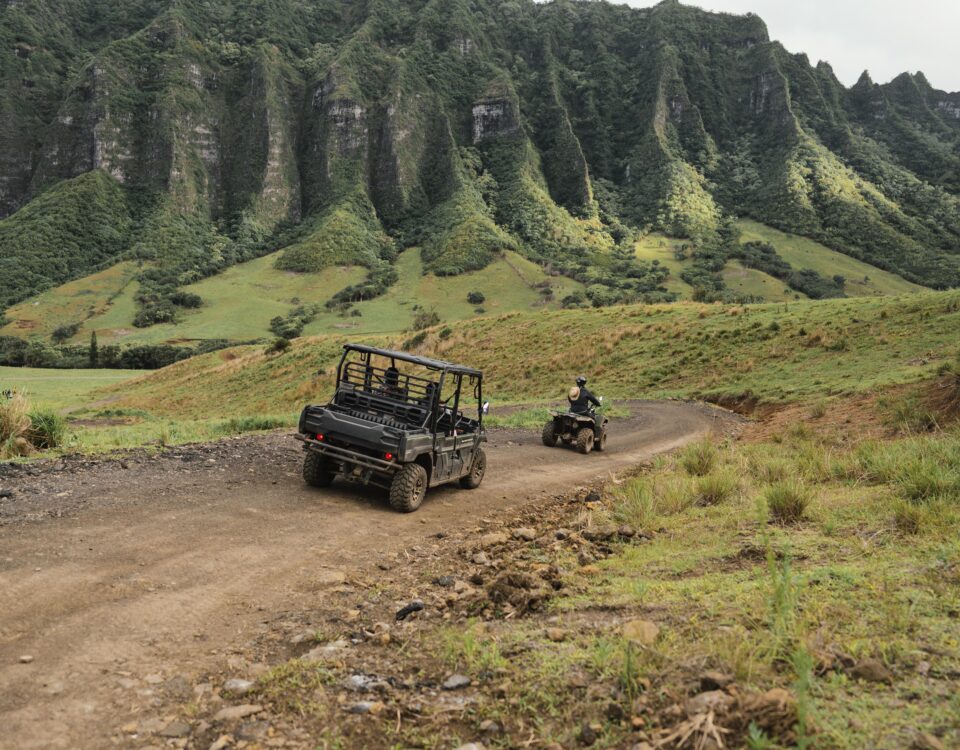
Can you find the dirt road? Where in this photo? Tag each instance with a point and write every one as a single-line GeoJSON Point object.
{"type": "Point", "coordinates": [123, 578]}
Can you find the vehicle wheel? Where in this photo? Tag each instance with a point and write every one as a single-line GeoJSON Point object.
{"type": "Point", "coordinates": [585, 440]}
{"type": "Point", "coordinates": [408, 488]}
{"type": "Point", "coordinates": [315, 470]}
{"type": "Point", "coordinates": [549, 434]}
{"type": "Point", "coordinates": [601, 444]}
{"type": "Point", "coordinates": [472, 480]}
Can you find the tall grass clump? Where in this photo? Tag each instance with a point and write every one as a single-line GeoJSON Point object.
{"type": "Point", "coordinates": [645, 501]}
{"type": "Point", "coordinates": [14, 425]}
{"type": "Point", "coordinates": [787, 501]}
{"type": "Point", "coordinates": [925, 480]}
{"type": "Point", "coordinates": [716, 488]}
{"type": "Point", "coordinates": [47, 429]}
{"type": "Point", "coordinates": [698, 459]}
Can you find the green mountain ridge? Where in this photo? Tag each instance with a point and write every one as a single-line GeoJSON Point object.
{"type": "Point", "coordinates": [205, 134]}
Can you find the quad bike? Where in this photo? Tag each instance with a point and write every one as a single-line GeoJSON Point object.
{"type": "Point", "coordinates": [586, 431]}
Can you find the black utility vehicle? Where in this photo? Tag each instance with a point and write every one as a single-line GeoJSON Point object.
{"type": "Point", "coordinates": [587, 431]}
{"type": "Point", "coordinates": [396, 421]}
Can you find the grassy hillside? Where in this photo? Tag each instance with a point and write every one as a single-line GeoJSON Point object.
{"type": "Point", "coordinates": [94, 296]}
{"type": "Point", "coordinates": [773, 353]}
{"type": "Point", "coordinates": [802, 252]}
{"type": "Point", "coordinates": [239, 303]}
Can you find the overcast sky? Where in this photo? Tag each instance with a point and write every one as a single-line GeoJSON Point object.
{"type": "Point", "coordinates": [886, 37]}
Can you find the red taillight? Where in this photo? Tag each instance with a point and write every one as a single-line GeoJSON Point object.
{"type": "Point", "coordinates": [319, 436]}
{"type": "Point", "coordinates": [388, 456]}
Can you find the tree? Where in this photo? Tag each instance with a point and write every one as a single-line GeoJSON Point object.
{"type": "Point", "coordinates": [94, 350]}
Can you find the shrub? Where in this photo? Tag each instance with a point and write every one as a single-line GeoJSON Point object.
{"type": "Point", "coordinates": [415, 341]}
{"type": "Point", "coordinates": [476, 298]}
{"type": "Point", "coordinates": [64, 333]}
{"type": "Point", "coordinates": [445, 333]}
{"type": "Point", "coordinates": [787, 501]}
{"type": "Point", "coordinates": [47, 429]}
{"type": "Point", "coordinates": [279, 346]}
{"type": "Point", "coordinates": [425, 319]}
{"type": "Point", "coordinates": [699, 458]}
{"type": "Point", "coordinates": [716, 488]}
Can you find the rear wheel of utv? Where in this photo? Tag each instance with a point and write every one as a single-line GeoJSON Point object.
{"type": "Point", "coordinates": [601, 444]}
{"type": "Point", "coordinates": [549, 434]}
{"type": "Point", "coordinates": [408, 488]}
{"type": "Point", "coordinates": [472, 480]}
{"type": "Point", "coordinates": [585, 440]}
{"type": "Point", "coordinates": [316, 473]}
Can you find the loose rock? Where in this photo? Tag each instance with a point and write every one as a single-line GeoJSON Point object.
{"type": "Point", "coordinates": [557, 635]}
{"type": "Point", "coordinates": [175, 729]}
{"type": "Point", "coordinates": [871, 670]}
{"type": "Point", "coordinates": [232, 713]}
{"type": "Point", "coordinates": [237, 686]}
{"type": "Point", "coordinates": [26, 659]}
{"type": "Point", "coordinates": [643, 632]}
{"type": "Point", "coordinates": [525, 533]}
{"type": "Point", "coordinates": [494, 538]}
{"type": "Point", "coordinates": [365, 707]}
{"type": "Point", "coordinates": [714, 681]}
{"type": "Point", "coordinates": [456, 682]}
{"type": "Point", "coordinates": [414, 606]}
{"type": "Point", "coordinates": [587, 735]}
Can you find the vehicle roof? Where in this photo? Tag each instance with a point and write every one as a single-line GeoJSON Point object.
{"type": "Point", "coordinates": [433, 364]}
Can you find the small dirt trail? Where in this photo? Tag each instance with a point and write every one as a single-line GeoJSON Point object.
{"type": "Point", "coordinates": [120, 576]}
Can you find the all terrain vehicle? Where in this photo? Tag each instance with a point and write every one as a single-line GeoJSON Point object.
{"type": "Point", "coordinates": [586, 431]}
{"type": "Point", "coordinates": [403, 431]}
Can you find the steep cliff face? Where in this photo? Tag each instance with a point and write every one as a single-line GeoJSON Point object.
{"type": "Point", "coordinates": [342, 132]}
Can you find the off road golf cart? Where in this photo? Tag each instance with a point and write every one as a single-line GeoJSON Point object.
{"type": "Point", "coordinates": [396, 421]}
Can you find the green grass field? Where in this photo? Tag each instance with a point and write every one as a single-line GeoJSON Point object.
{"type": "Point", "coordinates": [60, 389]}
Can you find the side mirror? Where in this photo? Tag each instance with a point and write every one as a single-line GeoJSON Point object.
{"type": "Point", "coordinates": [486, 407]}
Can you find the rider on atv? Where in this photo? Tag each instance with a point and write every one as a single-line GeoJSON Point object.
{"type": "Point", "coordinates": [581, 400]}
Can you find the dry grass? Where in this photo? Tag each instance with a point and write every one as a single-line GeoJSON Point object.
{"type": "Point", "coordinates": [14, 426]}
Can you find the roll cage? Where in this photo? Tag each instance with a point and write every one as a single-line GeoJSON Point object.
{"type": "Point", "coordinates": [404, 399]}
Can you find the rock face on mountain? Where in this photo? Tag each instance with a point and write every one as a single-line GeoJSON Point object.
{"type": "Point", "coordinates": [343, 131]}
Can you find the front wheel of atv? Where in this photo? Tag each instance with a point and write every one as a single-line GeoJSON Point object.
{"type": "Point", "coordinates": [472, 480]}
{"type": "Point", "coordinates": [601, 444]}
{"type": "Point", "coordinates": [408, 488]}
{"type": "Point", "coordinates": [585, 440]}
{"type": "Point", "coordinates": [549, 434]}
{"type": "Point", "coordinates": [316, 473]}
